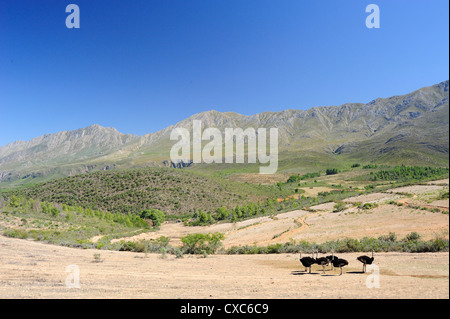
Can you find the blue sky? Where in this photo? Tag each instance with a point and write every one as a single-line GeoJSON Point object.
{"type": "Point", "coordinates": [142, 65]}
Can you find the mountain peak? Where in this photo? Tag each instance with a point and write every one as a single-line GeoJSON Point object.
{"type": "Point", "coordinates": [418, 120]}
{"type": "Point", "coordinates": [98, 128]}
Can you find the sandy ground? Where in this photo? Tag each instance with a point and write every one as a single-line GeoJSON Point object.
{"type": "Point", "coordinates": [325, 225]}
{"type": "Point", "coordinates": [253, 231]}
{"type": "Point", "coordinates": [442, 182]}
{"type": "Point", "coordinates": [417, 189]}
{"type": "Point", "coordinates": [36, 270]}
{"type": "Point", "coordinates": [314, 191]}
{"type": "Point", "coordinates": [263, 179]}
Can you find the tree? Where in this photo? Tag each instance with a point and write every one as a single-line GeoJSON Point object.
{"type": "Point", "coordinates": [204, 218]}
{"type": "Point", "coordinates": [332, 171]}
{"type": "Point", "coordinates": [293, 179]}
{"type": "Point", "coordinates": [199, 243]}
{"type": "Point", "coordinates": [156, 216]}
{"type": "Point", "coordinates": [14, 201]}
{"type": "Point", "coordinates": [222, 213]}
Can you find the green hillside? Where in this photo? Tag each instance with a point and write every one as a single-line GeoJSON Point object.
{"type": "Point", "coordinates": [130, 191]}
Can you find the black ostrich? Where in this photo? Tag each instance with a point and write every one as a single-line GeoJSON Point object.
{"type": "Point", "coordinates": [366, 260]}
{"type": "Point", "coordinates": [339, 263]}
{"type": "Point", "coordinates": [331, 258]}
{"type": "Point", "coordinates": [307, 262]}
{"type": "Point", "coordinates": [322, 261]}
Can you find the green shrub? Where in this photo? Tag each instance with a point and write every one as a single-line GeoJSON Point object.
{"type": "Point", "coordinates": [332, 171]}
{"type": "Point", "coordinates": [196, 243]}
{"type": "Point", "coordinates": [296, 178]}
{"type": "Point", "coordinates": [293, 179]}
{"type": "Point", "coordinates": [368, 206]}
{"type": "Point", "coordinates": [443, 195]}
{"type": "Point", "coordinates": [391, 237]}
{"type": "Point", "coordinates": [54, 211]}
{"type": "Point", "coordinates": [127, 246]}
{"type": "Point", "coordinates": [411, 173]}
{"type": "Point", "coordinates": [156, 216]}
{"type": "Point", "coordinates": [414, 236]}
{"type": "Point", "coordinates": [370, 166]}
{"type": "Point", "coordinates": [339, 207]}
{"type": "Point", "coordinates": [16, 233]}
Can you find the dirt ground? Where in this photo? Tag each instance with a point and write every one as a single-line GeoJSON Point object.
{"type": "Point", "coordinates": [35, 270]}
{"type": "Point", "coordinates": [322, 224]}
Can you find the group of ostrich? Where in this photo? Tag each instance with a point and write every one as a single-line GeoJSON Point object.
{"type": "Point", "coordinates": [335, 262]}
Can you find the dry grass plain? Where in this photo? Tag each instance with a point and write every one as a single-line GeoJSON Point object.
{"type": "Point", "coordinates": [36, 270]}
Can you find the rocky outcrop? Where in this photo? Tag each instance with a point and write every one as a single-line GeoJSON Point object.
{"type": "Point", "coordinates": [179, 164]}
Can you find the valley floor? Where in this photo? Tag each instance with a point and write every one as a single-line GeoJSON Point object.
{"type": "Point", "coordinates": [399, 210]}
{"type": "Point", "coordinates": [31, 269]}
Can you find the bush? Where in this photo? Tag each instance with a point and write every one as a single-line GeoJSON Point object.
{"type": "Point", "coordinates": [54, 211]}
{"type": "Point", "coordinates": [197, 243]}
{"type": "Point", "coordinates": [370, 166]}
{"type": "Point", "coordinates": [368, 206]}
{"type": "Point", "coordinates": [177, 251]}
{"type": "Point", "coordinates": [392, 237]}
{"type": "Point", "coordinates": [156, 216]}
{"type": "Point", "coordinates": [384, 243]}
{"type": "Point", "coordinates": [16, 233]}
{"type": "Point", "coordinates": [414, 236]}
{"type": "Point", "coordinates": [339, 207]}
{"type": "Point", "coordinates": [332, 171]}
{"type": "Point", "coordinates": [293, 179]}
{"type": "Point", "coordinates": [443, 195]}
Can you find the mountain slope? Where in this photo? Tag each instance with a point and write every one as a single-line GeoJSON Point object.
{"type": "Point", "coordinates": [410, 129]}
{"type": "Point", "coordinates": [133, 190]}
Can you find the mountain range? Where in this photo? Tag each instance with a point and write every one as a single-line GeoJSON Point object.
{"type": "Point", "coordinates": [403, 129]}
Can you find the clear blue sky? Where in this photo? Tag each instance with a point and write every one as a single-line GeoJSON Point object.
{"type": "Point", "coordinates": [142, 65]}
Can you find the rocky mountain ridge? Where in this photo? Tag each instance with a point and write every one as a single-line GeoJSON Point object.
{"type": "Point", "coordinates": [382, 130]}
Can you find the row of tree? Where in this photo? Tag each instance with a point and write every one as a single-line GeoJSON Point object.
{"type": "Point", "coordinates": [54, 209]}
{"type": "Point", "coordinates": [410, 173]}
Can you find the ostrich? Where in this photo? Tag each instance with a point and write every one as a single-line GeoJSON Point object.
{"type": "Point", "coordinates": [323, 261]}
{"type": "Point", "coordinates": [307, 262]}
{"type": "Point", "coordinates": [338, 262]}
{"type": "Point", "coordinates": [366, 260]}
{"type": "Point", "coordinates": [331, 258]}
